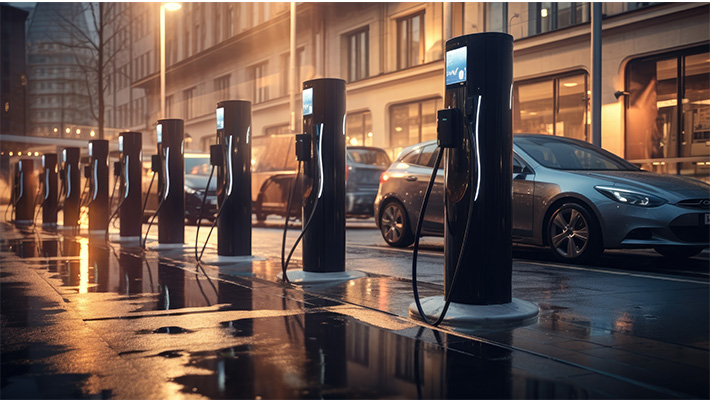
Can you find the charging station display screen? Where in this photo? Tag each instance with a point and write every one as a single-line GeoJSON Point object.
{"type": "Point", "coordinates": [64, 155]}
{"type": "Point", "coordinates": [220, 118]}
{"type": "Point", "coordinates": [43, 161]}
{"type": "Point", "coordinates": [159, 133]}
{"type": "Point", "coordinates": [308, 101]}
{"type": "Point", "coordinates": [91, 147]}
{"type": "Point", "coordinates": [120, 143]}
{"type": "Point", "coordinates": [456, 66]}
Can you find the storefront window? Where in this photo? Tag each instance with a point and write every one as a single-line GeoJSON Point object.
{"type": "Point", "coordinates": [412, 123]}
{"type": "Point", "coordinates": [668, 113]}
{"type": "Point", "coordinates": [358, 129]}
{"type": "Point", "coordinates": [552, 106]}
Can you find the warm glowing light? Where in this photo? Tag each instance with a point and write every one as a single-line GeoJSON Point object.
{"type": "Point", "coordinates": [570, 84]}
{"type": "Point", "coordinates": [172, 6]}
{"type": "Point", "coordinates": [543, 13]}
{"type": "Point", "coordinates": [369, 134]}
{"type": "Point", "coordinates": [36, 153]}
{"type": "Point", "coordinates": [84, 266]}
{"type": "Point", "coordinates": [78, 131]}
{"type": "Point", "coordinates": [10, 154]}
{"type": "Point", "coordinates": [56, 130]}
{"type": "Point", "coordinates": [67, 130]}
{"type": "Point", "coordinates": [353, 142]}
{"type": "Point", "coordinates": [92, 133]}
{"type": "Point", "coordinates": [398, 129]}
{"type": "Point", "coordinates": [19, 153]}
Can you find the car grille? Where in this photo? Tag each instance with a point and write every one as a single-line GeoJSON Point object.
{"type": "Point", "coordinates": [696, 204]}
{"type": "Point", "coordinates": [691, 228]}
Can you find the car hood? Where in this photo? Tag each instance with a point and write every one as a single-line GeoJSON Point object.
{"type": "Point", "coordinates": [671, 187]}
{"type": "Point", "coordinates": [199, 182]}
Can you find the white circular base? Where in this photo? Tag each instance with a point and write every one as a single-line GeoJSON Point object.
{"type": "Point", "coordinates": [97, 232]}
{"type": "Point", "coordinates": [24, 222]}
{"type": "Point", "coordinates": [215, 259]}
{"type": "Point", "coordinates": [124, 239]}
{"type": "Point", "coordinates": [169, 246]}
{"type": "Point", "coordinates": [49, 224]}
{"type": "Point", "coordinates": [470, 316]}
{"type": "Point", "coordinates": [300, 277]}
{"type": "Point", "coordinates": [68, 227]}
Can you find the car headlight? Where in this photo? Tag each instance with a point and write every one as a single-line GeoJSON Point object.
{"type": "Point", "coordinates": [632, 197]}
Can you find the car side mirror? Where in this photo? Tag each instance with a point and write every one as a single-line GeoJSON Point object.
{"type": "Point", "coordinates": [521, 169]}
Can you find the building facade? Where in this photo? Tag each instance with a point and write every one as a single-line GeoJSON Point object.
{"type": "Point", "coordinates": [655, 71]}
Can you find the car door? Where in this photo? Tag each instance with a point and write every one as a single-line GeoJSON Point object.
{"type": "Point", "coordinates": [434, 217]}
{"type": "Point", "coordinates": [523, 194]}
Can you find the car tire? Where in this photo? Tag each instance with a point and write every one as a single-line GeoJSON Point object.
{"type": "Point", "coordinates": [572, 234]}
{"type": "Point", "coordinates": [395, 226]}
{"type": "Point", "coordinates": [678, 252]}
{"type": "Point", "coordinates": [260, 216]}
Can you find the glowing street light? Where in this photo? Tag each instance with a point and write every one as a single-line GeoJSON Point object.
{"type": "Point", "coordinates": [163, 7]}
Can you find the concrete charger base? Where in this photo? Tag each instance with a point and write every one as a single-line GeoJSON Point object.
{"type": "Point", "coordinates": [169, 246]}
{"type": "Point", "coordinates": [470, 316]}
{"type": "Point", "coordinates": [301, 277]}
{"type": "Point", "coordinates": [216, 259]}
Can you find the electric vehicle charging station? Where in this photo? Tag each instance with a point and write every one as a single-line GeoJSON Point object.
{"type": "Point", "coordinates": [71, 186]}
{"type": "Point", "coordinates": [322, 150]}
{"type": "Point", "coordinates": [99, 186]}
{"type": "Point", "coordinates": [171, 184]}
{"type": "Point", "coordinates": [476, 130]}
{"type": "Point", "coordinates": [50, 197]}
{"type": "Point", "coordinates": [25, 192]}
{"type": "Point", "coordinates": [130, 148]}
{"type": "Point", "coordinates": [233, 162]}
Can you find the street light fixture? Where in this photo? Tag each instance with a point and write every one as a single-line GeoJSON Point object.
{"type": "Point", "coordinates": [163, 7]}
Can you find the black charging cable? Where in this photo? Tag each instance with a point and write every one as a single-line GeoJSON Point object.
{"type": "Point", "coordinates": [463, 243]}
{"type": "Point", "coordinates": [199, 218]}
{"type": "Point", "coordinates": [42, 188]}
{"type": "Point", "coordinates": [302, 153]}
{"type": "Point", "coordinates": [117, 172]}
{"type": "Point", "coordinates": [163, 196]}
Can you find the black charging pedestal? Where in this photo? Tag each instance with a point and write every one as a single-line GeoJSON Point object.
{"type": "Point", "coordinates": [72, 187]}
{"type": "Point", "coordinates": [98, 186]}
{"type": "Point", "coordinates": [25, 192]}
{"type": "Point", "coordinates": [323, 245]}
{"type": "Point", "coordinates": [479, 79]}
{"type": "Point", "coordinates": [234, 228]}
{"type": "Point", "coordinates": [130, 215]}
{"type": "Point", "coordinates": [50, 197]}
{"type": "Point", "coordinates": [171, 184]}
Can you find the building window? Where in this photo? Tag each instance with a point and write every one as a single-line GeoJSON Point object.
{"type": "Point", "coordinates": [549, 16]}
{"type": "Point", "coordinates": [668, 112]}
{"type": "Point", "coordinates": [221, 86]}
{"type": "Point", "coordinates": [410, 41]}
{"type": "Point", "coordinates": [555, 105]}
{"type": "Point", "coordinates": [358, 129]}
{"type": "Point", "coordinates": [285, 59]}
{"type": "Point", "coordinates": [358, 50]}
{"type": "Point", "coordinates": [412, 123]}
{"type": "Point", "coordinates": [189, 96]}
{"type": "Point", "coordinates": [259, 78]}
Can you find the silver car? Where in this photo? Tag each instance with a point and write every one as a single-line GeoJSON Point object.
{"type": "Point", "coordinates": [568, 195]}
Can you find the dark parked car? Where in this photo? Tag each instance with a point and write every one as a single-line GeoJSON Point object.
{"type": "Point", "coordinates": [274, 166]}
{"type": "Point", "coordinates": [569, 195]}
{"type": "Point", "coordinates": [197, 170]}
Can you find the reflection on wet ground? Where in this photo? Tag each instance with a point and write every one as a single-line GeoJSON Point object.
{"type": "Point", "coordinates": [236, 332]}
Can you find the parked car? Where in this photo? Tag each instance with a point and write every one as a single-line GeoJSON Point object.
{"type": "Point", "coordinates": [573, 197]}
{"type": "Point", "coordinates": [197, 170]}
{"type": "Point", "coordinates": [274, 166]}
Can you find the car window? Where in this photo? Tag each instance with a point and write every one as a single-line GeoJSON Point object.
{"type": "Point", "coordinates": [273, 153]}
{"type": "Point", "coordinates": [374, 157]}
{"type": "Point", "coordinates": [197, 164]}
{"type": "Point", "coordinates": [412, 157]}
{"type": "Point", "coordinates": [428, 156]}
{"type": "Point", "coordinates": [571, 155]}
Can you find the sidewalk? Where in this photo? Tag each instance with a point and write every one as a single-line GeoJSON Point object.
{"type": "Point", "coordinates": [81, 319]}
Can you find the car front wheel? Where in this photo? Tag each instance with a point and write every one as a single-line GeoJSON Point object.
{"type": "Point", "coordinates": [395, 226]}
{"type": "Point", "coordinates": [572, 234]}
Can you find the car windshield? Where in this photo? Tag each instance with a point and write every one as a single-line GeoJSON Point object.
{"type": "Point", "coordinates": [555, 153]}
{"type": "Point", "coordinates": [374, 157]}
{"type": "Point", "coordinates": [197, 164]}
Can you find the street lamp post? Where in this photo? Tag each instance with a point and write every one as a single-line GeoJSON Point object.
{"type": "Point", "coordinates": [163, 7]}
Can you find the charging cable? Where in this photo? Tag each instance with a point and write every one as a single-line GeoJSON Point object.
{"type": "Point", "coordinates": [166, 189]}
{"type": "Point", "coordinates": [473, 141]}
{"type": "Point", "coordinates": [199, 218]}
{"type": "Point", "coordinates": [302, 154]}
{"type": "Point", "coordinates": [117, 168]}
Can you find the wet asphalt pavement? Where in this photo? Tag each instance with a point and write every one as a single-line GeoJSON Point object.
{"type": "Point", "coordinates": [83, 318]}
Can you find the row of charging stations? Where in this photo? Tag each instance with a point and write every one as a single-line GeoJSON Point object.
{"type": "Point", "coordinates": [475, 135]}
